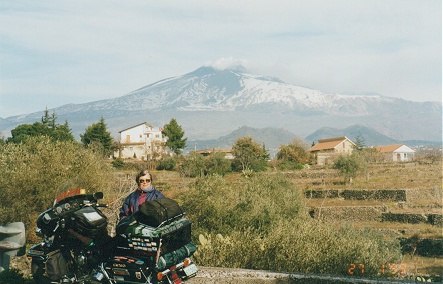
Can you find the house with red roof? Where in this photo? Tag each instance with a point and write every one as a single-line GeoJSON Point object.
{"type": "Point", "coordinates": [326, 150]}
{"type": "Point", "coordinates": [396, 152]}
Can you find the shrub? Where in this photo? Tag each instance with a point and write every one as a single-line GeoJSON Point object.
{"type": "Point", "coordinates": [167, 163]}
{"type": "Point", "coordinates": [261, 223]}
{"type": "Point", "coordinates": [32, 171]}
{"type": "Point", "coordinates": [216, 163]}
{"type": "Point", "coordinates": [118, 163]}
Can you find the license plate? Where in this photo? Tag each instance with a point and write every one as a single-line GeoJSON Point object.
{"type": "Point", "coordinates": [190, 270]}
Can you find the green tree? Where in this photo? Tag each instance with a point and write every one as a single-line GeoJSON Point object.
{"type": "Point", "coordinates": [63, 132]}
{"type": "Point", "coordinates": [293, 155]}
{"type": "Point", "coordinates": [175, 134]}
{"type": "Point", "coordinates": [23, 131]}
{"type": "Point", "coordinates": [249, 154]}
{"type": "Point", "coordinates": [349, 166]}
{"type": "Point", "coordinates": [98, 138]}
{"type": "Point", "coordinates": [359, 143]}
{"type": "Point", "coordinates": [47, 127]}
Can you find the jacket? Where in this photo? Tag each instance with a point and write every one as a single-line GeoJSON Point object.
{"type": "Point", "coordinates": [130, 205]}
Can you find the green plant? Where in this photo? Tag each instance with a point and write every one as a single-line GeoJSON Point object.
{"type": "Point", "coordinates": [118, 163]}
{"type": "Point", "coordinates": [167, 163]}
{"type": "Point", "coordinates": [264, 217]}
{"type": "Point", "coordinates": [36, 168]}
{"type": "Point", "coordinates": [175, 134]}
{"type": "Point", "coordinates": [249, 155]}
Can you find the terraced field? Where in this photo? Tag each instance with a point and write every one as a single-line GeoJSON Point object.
{"type": "Point", "coordinates": [404, 199]}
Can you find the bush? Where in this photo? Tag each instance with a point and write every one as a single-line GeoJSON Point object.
{"type": "Point", "coordinates": [287, 165]}
{"type": "Point", "coordinates": [118, 163]}
{"type": "Point", "coordinates": [265, 219]}
{"type": "Point", "coordinates": [32, 171]}
{"type": "Point", "coordinates": [167, 163]}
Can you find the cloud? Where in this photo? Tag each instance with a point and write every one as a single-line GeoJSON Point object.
{"type": "Point", "coordinates": [85, 49]}
{"type": "Point", "coordinates": [226, 63]}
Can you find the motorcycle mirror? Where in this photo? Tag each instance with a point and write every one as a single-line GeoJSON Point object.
{"type": "Point", "coordinates": [98, 195]}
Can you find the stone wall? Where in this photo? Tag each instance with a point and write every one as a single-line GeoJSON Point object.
{"type": "Point", "coordinates": [348, 213]}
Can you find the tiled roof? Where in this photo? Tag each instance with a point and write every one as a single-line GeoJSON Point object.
{"type": "Point", "coordinates": [388, 148]}
{"type": "Point", "coordinates": [145, 123]}
{"type": "Point", "coordinates": [330, 143]}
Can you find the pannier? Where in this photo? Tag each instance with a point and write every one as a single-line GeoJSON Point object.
{"type": "Point", "coordinates": [156, 212]}
{"type": "Point", "coordinates": [90, 222]}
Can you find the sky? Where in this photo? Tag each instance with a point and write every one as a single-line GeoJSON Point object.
{"type": "Point", "coordinates": [57, 52]}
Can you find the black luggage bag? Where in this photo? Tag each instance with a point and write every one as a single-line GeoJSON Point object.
{"type": "Point", "coordinates": [155, 212]}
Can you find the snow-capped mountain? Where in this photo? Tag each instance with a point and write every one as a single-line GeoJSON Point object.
{"type": "Point", "coordinates": [210, 102]}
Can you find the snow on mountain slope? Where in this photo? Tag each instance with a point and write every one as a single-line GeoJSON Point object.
{"type": "Point", "coordinates": [209, 101]}
{"type": "Point", "coordinates": [226, 90]}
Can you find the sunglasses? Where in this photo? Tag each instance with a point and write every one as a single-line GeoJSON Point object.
{"type": "Point", "coordinates": [144, 180]}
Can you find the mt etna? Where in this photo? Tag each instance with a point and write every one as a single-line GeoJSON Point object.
{"type": "Point", "coordinates": [210, 102]}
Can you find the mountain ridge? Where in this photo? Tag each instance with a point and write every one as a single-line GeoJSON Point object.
{"type": "Point", "coordinates": [272, 138]}
{"type": "Point", "coordinates": [209, 102]}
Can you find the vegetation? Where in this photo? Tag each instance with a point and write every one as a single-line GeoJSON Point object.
{"type": "Point", "coordinates": [98, 138]}
{"type": "Point", "coordinates": [293, 156]}
{"type": "Point", "coordinates": [34, 169]}
{"type": "Point", "coordinates": [47, 127]}
{"type": "Point", "coordinates": [249, 155]}
{"type": "Point", "coordinates": [264, 218]}
{"type": "Point", "coordinates": [175, 134]}
{"type": "Point", "coordinates": [349, 166]}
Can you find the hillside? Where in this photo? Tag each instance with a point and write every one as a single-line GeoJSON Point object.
{"type": "Point", "coordinates": [209, 102]}
{"type": "Point", "coordinates": [273, 138]}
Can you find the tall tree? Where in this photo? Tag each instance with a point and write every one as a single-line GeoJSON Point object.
{"type": "Point", "coordinates": [359, 143]}
{"type": "Point", "coordinates": [63, 132]}
{"type": "Point", "coordinates": [249, 154]}
{"type": "Point", "coordinates": [97, 136]}
{"type": "Point", "coordinates": [175, 134]}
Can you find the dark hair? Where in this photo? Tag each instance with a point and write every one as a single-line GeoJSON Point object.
{"type": "Point", "coordinates": [143, 173]}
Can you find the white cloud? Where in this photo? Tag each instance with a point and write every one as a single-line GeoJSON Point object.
{"type": "Point", "coordinates": [226, 63]}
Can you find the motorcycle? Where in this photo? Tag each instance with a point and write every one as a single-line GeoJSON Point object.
{"type": "Point", "coordinates": [76, 246]}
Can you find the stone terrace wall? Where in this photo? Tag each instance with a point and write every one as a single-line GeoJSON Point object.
{"type": "Point", "coordinates": [348, 213]}
{"type": "Point", "coordinates": [396, 195]}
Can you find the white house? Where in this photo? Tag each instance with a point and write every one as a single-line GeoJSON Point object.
{"type": "Point", "coordinates": [327, 149]}
{"type": "Point", "coordinates": [142, 142]}
{"type": "Point", "coordinates": [396, 152]}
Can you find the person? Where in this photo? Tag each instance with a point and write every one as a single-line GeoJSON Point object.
{"type": "Point", "coordinates": [144, 192]}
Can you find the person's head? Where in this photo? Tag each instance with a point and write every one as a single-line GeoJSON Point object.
{"type": "Point", "coordinates": [144, 179]}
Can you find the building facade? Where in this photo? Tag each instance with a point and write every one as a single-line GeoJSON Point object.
{"type": "Point", "coordinates": [396, 153]}
{"type": "Point", "coordinates": [326, 150]}
{"type": "Point", "coordinates": [141, 142]}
